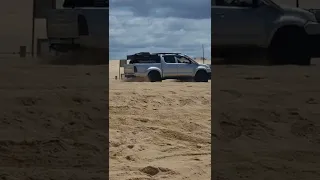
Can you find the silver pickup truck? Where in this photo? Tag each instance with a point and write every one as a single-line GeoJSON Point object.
{"type": "Point", "coordinates": [251, 28]}
{"type": "Point", "coordinates": [160, 66]}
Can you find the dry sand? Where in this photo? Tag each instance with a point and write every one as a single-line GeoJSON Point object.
{"type": "Point", "coordinates": [159, 130]}
{"type": "Point", "coordinates": [53, 124]}
{"type": "Point", "coordinates": [53, 121]}
{"type": "Point", "coordinates": [266, 122]}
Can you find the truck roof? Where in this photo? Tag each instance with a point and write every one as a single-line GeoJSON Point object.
{"type": "Point", "coordinates": [85, 3]}
{"type": "Point", "coordinates": [153, 54]}
{"type": "Point", "coordinates": [166, 53]}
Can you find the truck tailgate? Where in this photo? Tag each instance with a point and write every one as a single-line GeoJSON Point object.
{"type": "Point", "coordinates": [128, 69]}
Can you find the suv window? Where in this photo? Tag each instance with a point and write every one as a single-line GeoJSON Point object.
{"type": "Point", "coordinates": [169, 59]}
{"type": "Point", "coordinates": [237, 3]}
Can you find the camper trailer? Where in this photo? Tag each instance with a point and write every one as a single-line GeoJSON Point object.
{"type": "Point", "coordinates": [79, 25]}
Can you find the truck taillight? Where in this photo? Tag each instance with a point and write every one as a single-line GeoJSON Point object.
{"type": "Point", "coordinates": [135, 69]}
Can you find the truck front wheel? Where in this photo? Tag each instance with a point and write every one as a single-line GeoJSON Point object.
{"type": "Point", "coordinates": [154, 76]}
{"type": "Point", "coordinates": [201, 76]}
{"type": "Point", "coordinates": [289, 46]}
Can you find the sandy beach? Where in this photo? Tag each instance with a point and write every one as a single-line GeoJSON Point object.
{"type": "Point", "coordinates": [265, 122]}
{"type": "Point", "coordinates": [53, 121]}
{"type": "Point", "coordinates": [264, 125]}
{"type": "Point", "coordinates": [159, 130]}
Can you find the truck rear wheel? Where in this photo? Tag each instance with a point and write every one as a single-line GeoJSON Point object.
{"type": "Point", "coordinates": [289, 46]}
{"type": "Point", "coordinates": [154, 76]}
{"type": "Point", "coordinates": [201, 76]}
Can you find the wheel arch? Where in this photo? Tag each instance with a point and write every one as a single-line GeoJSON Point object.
{"type": "Point", "coordinates": [200, 69]}
{"type": "Point", "coordinates": [154, 69]}
{"type": "Point", "coordinates": [283, 26]}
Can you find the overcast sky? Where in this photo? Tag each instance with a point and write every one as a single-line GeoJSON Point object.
{"type": "Point", "coordinates": [159, 26]}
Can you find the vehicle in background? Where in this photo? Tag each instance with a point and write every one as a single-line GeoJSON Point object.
{"type": "Point", "coordinates": [160, 66]}
{"type": "Point", "coordinates": [79, 25]}
{"type": "Point", "coordinates": [244, 29]}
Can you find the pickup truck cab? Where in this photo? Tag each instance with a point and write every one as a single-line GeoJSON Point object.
{"type": "Point", "coordinates": [161, 66]}
{"type": "Point", "coordinates": [247, 28]}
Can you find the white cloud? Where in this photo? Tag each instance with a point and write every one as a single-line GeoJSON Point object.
{"type": "Point", "coordinates": [155, 31]}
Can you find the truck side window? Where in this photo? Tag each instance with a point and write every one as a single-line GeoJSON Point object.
{"type": "Point", "coordinates": [154, 59]}
{"type": "Point", "coordinates": [169, 59]}
{"type": "Point", "coordinates": [158, 60]}
{"type": "Point", "coordinates": [181, 59]}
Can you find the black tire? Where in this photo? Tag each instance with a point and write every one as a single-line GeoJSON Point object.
{"type": "Point", "coordinates": [289, 46]}
{"type": "Point", "coordinates": [154, 76]}
{"type": "Point", "coordinates": [201, 76]}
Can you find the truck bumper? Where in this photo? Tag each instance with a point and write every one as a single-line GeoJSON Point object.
{"type": "Point", "coordinates": [134, 75]}
{"type": "Point", "coordinates": [129, 76]}
{"type": "Point", "coordinates": [314, 44]}
{"type": "Point", "coordinates": [313, 31]}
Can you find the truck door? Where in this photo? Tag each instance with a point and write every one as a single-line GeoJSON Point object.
{"type": "Point", "coordinates": [185, 67]}
{"type": "Point", "coordinates": [238, 22]}
{"type": "Point", "coordinates": [169, 66]}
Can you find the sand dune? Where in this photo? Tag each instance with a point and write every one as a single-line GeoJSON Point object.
{"type": "Point", "coordinates": [159, 130]}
